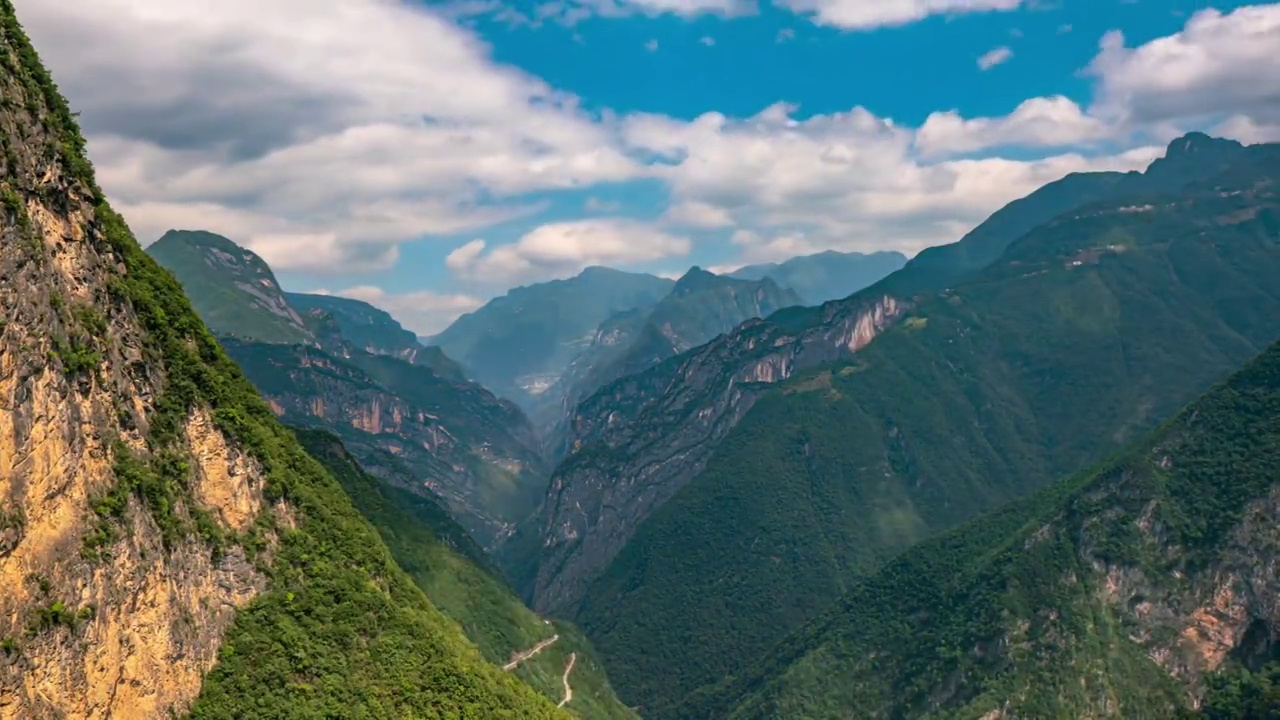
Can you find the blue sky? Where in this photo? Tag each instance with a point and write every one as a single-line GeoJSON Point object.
{"type": "Point", "coordinates": [738, 66]}
{"type": "Point", "coordinates": [426, 157]}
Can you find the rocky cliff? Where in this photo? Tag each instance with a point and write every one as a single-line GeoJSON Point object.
{"type": "Point", "coordinates": [407, 425]}
{"type": "Point", "coordinates": [155, 521]}
{"type": "Point", "coordinates": [640, 439]}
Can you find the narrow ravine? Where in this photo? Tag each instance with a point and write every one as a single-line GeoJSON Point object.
{"type": "Point", "coordinates": [522, 656]}
{"type": "Point", "coordinates": [568, 691]}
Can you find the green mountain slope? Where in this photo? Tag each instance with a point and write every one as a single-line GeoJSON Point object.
{"type": "Point", "coordinates": [144, 573]}
{"type": "Point", "coordinates": [375, 331]}
{"type": "Point", "coordinates": [829, 275]}
{"type": "Point", "coordinates": [519, 345]}
{"type": "Point", "coordinates": [234, 291]}
{"type": "Point", "coordinates": [408, 425]}
{"type": "Point", "coordinates": [454, 574]}
{"type": "Point", "coordinates": [1109, 595]}
{"type": "Point", "coordinates": [656, 431]}
{"type": "Point", "coordinates": [1087, 332]}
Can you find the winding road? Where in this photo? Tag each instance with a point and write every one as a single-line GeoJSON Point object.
{"type": "Point", "coordinates": [525, 655]}
{"type": "Point", "coordinates": [522, 656]}
{"type": "Point", "coordinates": [568, 691]}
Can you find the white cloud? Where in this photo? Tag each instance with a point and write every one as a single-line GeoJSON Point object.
{"type": "Point", "coordinates": [1041, 122]}
{"type": "Point", "coordinates": [867, 14]}
{"type": "Point", "coordinates": [694, 214]}
{"type": "Point", "coordinates": [564, 248]}
{"type": "Point", "coordinates": [707, 40]}
{"type": "Point", "coordinates": [596, 205]}
{"type": "Point", "coordinates": [994, 57]}
{"type": "Point", "coordinates": [1064, 29]}
{"type": "Point", "coordinates": [651, 46]}
{"type": "Point", "coordinates": [850, 181]}
{"type": "Point", "coordinates": [785, 34]}
{"type": "Point", "coordinates": [422, 311]}
{"type": "Point", "coordinates": [319, 132]}
{"type": "Point", "coordinates": [1218, 63]}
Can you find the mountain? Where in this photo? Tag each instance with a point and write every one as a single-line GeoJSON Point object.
{"type": "Point", "coordinates": [731, 493]}
{"type": "Point", "coordinates": [376, 332]}
{"type": "Point", "coordinates": [459, 579]}
{"type": "Point", "coordinates": [829, 275]}
{"type": "Point", "coordinates": [165, 544]}
{"type": "Point", "coordinates": [519, 345]}
{"type": "Point", "coordinates": [234, 290]}
{"type": "Point", "coordinates": [1118, 593]}
{"type": "Point", "coordinates": [699, 307]}
{"type": "Point", "coordinates": [410, 426]}
{"type": "Point", "coordinates": [404, 409]}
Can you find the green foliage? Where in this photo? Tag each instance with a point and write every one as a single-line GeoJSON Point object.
{"type": "Point", "coordinates": [1242, 695]}
{"type": "Point", "coordinates": [460, 580]}
{"type": "Point", "coordinates": [232, 289]}
{"type": "Point", "coordinates": [1034, 368]}
{"type": "Point", "coordinates": [1019, 610]}
{"type": "Point", "coordinates": [55, 615]}
{"type": "Point", "coordinates": [341, 631]}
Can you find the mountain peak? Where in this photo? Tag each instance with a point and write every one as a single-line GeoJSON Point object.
{"type": "Point", "coordinates": [695, 279]}
{"type": "Point", "coordinates": [1199, 143]}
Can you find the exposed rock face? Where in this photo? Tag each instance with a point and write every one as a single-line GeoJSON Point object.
{"type": "Point", "coordinates": [409, 426]}
{"type": "Point", "coordinates": [641, 439]}
{"type": "Point", "coordinates": [84, 637]}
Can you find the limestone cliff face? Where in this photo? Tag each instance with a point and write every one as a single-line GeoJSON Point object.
{"type": "Point", "coordinates": [641, 439]}
{"type": "Point", "coordinates": [409, 426]}
{"type": "Point", "coordinates": [129, 629]}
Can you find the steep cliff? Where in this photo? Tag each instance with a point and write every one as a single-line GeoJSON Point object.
{"type": "Point", "coordinates": [165, 545]}
{"type": "Point", "coordinates": [404, 409]}
{"type": "Point", "coordinates": [739, 525]}
{"type": "Point", "coordinates": [1115, 594]}
{"type": "Point", "coordinates": [700, 307]}
{"type": "Point", "coordinates": [408, 425]}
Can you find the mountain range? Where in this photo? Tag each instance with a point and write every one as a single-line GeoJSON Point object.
{"type": "Point", "coordinates": [404, 409]}
{"type": "Point", "coordinates": [1031, 474]}
{"type": "Point", "coordinates": [733, 492]}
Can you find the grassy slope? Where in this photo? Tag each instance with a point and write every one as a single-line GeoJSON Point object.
{"type": "Point", "coordinates": [470, 593]}
{"type": "Point", "coordinates": [1028, 373]}
{"type": "Point", "coordinates": [212, 290]}
{"type": "Point", "coordinates": [1018, 610]}
{"type": "Point", "coordinates": [342, 631]}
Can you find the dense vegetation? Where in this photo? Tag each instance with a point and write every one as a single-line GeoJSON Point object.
{"type": "Point", "coordinates": [1075, 602]}
{"type": "Point", "coordinates": [457, 577]}
{"type": "Point", "coordinates": [342, 631]}
{"type": "Point", "coordinates": [1086, 333]}
{"type": "Point", "coordinates": [232, 290]}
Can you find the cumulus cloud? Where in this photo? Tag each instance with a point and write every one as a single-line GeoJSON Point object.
{"type": "Point", "coordinates": [1040, 122]}
{"type": "Point", "coordinates": [1216, 62]}
{"type": "Point", "coordinates": [422, 311]}
{"type": "Point", "coordinates": [849, 180]}
{"type": "Point", "coordinates": [564, 248]}
{"type": "Point", "coordinates": [994, 57]}
{"type": "Point", "coordinates": [320, 132]}
{"type": "Point", "coordinates": [694, 214]}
